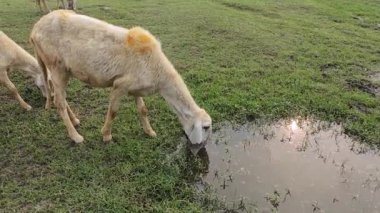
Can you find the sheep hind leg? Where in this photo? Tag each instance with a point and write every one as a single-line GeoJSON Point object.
{"type": "Point", "coordinates": [12, 88]}
{"type": "Point", "coordinates": [60, 79]}
{"type": "Point", "coordinates": [143, 116]}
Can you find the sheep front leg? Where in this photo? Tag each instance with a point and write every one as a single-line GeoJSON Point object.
{"type": "Point", "coordinates": [60, 80]}
{"type": "Point", "coordinates": [143, 116]}
{"type": "Point", "coordinates": [12, 88]}
{"type": "Point", "coordinates": [114, 105]}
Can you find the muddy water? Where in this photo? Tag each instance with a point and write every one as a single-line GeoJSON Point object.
{"type": "Point", "coordinates": [293, 166]}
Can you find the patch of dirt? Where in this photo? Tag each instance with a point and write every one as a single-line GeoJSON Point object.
{"type": "Point", "coordinates": [360, 107]}
{"type": "Point", "coordinates": [242, 7]}
{"type": "Point", "coordinates": [377, 27]}
{"type": "Point", "coordinates": [337, 20]}
{"type": "Point", "coordinates": [375, 78]}
{"type": "Point", "coordinates": [365, 23]}
{"type": "Point", "coordinates": [226, 34]}
{"type": "Point", "coordinates": [359, 18]}
{"type": "Point", "coordinates": [357, 67]}
{"type": "Point", "coordinates": [363, 85]}
{"type": "Point", "coordinates": [350, 66]}
{"type": "Point", "coordinates": [297, 8]}
{"type": "Point", "coordinates": [5, 98]}
{"type": "Point", "coordinates": [327, 68]}
{"type": "Point", "coordinates": [39, 207]}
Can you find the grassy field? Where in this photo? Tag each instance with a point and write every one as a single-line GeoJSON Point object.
{"type": "Point", "coordinates": [241, 59]}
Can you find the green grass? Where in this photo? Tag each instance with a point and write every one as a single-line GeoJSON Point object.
{"type": "Point", "coordinates": [241, 59]}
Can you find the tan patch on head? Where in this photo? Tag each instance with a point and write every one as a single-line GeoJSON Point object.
{"type": "Point", "coordinates": [140, 40]}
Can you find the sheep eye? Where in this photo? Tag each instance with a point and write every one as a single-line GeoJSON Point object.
{"type": "Point", "coordinates": [206, 127]}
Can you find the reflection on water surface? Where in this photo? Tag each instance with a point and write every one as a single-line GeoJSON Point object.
{"type": "Point", "coordinates": [293, 166]}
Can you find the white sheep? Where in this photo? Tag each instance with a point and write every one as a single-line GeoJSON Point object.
{"type": "Point", "coordinates": [12, 56]}
{"type": "Point", "coordinates": [103, 55]}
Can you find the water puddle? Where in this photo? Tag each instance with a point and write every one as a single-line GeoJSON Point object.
{"type": "Point", "coordinates": [292, 166]}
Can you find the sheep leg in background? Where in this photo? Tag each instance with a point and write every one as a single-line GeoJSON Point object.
{"type": "Point", "coordinates": [12, 88]}
{"type": "Point", "coordinates": [38, 4]}
{"type": "Point", "coordinates": [61, 4]}
{"type": "Point", "coordinates": [72, 116]}
{"type": "Point", "coordinates": [71, 4]}
{"type": "Point", "coordinates": [45, 6]}
{"type": "Point", "coordinates": [143, 116]}
{"type": "Point", "coordinates": [60, 79]}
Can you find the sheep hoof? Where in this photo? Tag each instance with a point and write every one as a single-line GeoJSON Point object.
{"type": "Point", "coordinates": [151, 133]}
{"type": "Point", "coordinates": [47, 106]}
{"type": "Point", "coordinates": [27, 107]}
{"type": "Point", "coordinates": [76, 122]}
{"type": "Point", "coordinates": [107, 138]}
{"type": "Point", "coordinates": [78, 139]}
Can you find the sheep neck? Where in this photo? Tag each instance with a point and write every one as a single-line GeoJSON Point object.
{"type": "Point", "coordinates": [178, 97]}
{"type": "Point", "coordinates": [28, 64]}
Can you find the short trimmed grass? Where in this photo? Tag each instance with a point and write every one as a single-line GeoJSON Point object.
{"type": "Point", "coordinates": [241, 59]}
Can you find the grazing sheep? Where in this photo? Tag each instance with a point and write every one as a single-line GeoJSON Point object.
{"type": "Point", "coordinates": [13, 56]}
{"type": "Point", "coordinates": [103, 55]}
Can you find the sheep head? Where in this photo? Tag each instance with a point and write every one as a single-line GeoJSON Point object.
{"type": "Point", "coordinates": [40, 83]}
{"type": "Point", "coordinates": [198, 129]}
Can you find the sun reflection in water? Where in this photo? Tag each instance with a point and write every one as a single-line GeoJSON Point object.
{"type": "Point", "coordinates": [293, 125]}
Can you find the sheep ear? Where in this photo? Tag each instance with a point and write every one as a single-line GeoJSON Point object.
{"type": "Point", "coordinates": [196, 134]}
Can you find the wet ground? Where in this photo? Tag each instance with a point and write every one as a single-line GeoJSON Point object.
{"type": "Point", "coordinates": [375, 78]}
{"type": "Point", "coordinates": [292, 166]}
